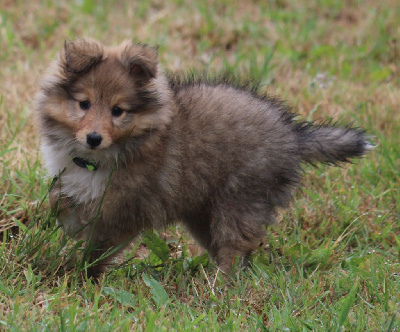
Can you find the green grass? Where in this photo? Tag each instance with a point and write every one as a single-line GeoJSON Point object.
{"type": "Point", "coordinates": [333, 262]}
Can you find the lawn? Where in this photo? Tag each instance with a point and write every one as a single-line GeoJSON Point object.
{"type": "Point", "coordinates": [332, 263]}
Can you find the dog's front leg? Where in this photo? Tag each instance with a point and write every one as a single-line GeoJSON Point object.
{"type": "Point", "coordinates": [103, 246]}
{"type": "Point", "coordinates": [69, 214]}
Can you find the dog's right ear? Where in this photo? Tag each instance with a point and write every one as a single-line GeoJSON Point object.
{"type": "Point", "coordinates": [141, 60]}
{"type": "Point", "coordinates": [81, 55]}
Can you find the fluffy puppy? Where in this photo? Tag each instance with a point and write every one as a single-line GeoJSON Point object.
{"type": "Point", "coordinates": [137, 149]}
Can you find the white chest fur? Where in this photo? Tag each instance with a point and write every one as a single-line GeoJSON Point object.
{"type": "Point", "coordinates": [79, 183]}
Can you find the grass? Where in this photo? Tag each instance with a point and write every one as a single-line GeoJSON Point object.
{"type": "Point", "coordinates": [333, 262]}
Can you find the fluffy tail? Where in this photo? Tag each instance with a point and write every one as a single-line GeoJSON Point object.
{"type": "Point", "coordinates": [331, 144]}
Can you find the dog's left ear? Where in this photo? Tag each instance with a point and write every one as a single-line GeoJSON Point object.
{"type": "Point", "coordinates": [141, 61]}
{"type": "Point", "coordinates": [81, 55]}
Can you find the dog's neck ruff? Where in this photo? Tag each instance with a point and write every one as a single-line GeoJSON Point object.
{"type": "Point", "coordinates": [89, 165]}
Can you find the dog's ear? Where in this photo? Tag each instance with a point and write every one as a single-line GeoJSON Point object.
{"type": "Point", "coordinates": [81, 55]}
{"type": "Point", "coordinates": [141, 61]}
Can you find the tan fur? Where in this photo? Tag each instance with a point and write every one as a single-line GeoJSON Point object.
{"type": "Point", "coordinates": [209, 153]}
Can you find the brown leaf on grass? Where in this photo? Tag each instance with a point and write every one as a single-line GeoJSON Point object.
{"type": "Point", "coordinates": [23, 215]}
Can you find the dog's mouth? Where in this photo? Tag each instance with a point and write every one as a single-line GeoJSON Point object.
{"type": "Point", "coordinates": [93, 160]}
{"type": "Point", "coordinates": [88, 164]}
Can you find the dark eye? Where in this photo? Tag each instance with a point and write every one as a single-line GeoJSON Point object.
{"type": "Point", "coordinates": [85, 105]}
{"type": "Point", "coordinates": [116, 111]}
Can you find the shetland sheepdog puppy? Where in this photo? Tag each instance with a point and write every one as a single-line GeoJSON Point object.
{"type": "Point", "coordinates": [135, 148]}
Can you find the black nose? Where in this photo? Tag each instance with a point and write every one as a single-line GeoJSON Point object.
{"type": "Point", "coordinates": [93, 139]}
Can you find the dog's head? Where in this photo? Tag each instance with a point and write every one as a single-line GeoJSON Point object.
{"type": "Point", "coordinates": [103, 96]}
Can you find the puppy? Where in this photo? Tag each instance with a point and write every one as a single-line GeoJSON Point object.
{"type": "Point", "coordinates": [136, 149]}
